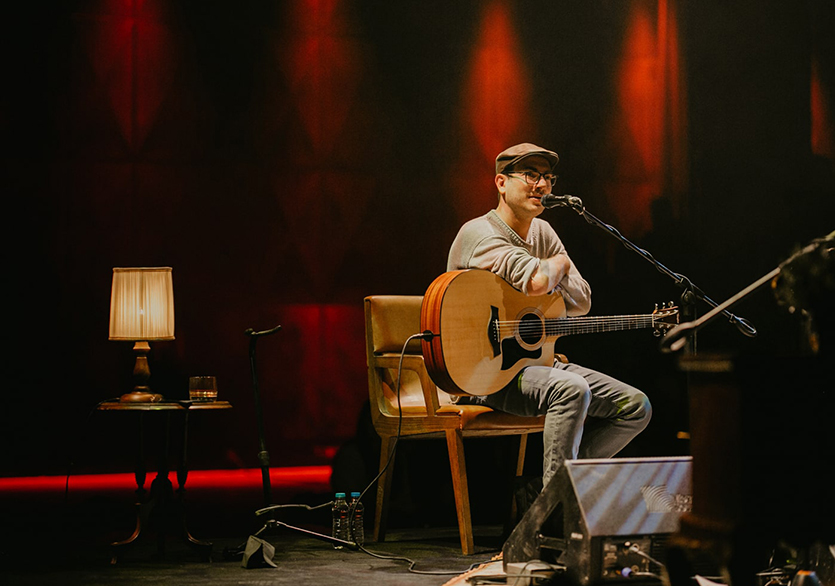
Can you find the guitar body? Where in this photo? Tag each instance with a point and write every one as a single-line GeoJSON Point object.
{"type": "Point", "coordinates": [470, 354]}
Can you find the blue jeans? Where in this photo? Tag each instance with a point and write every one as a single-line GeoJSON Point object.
{"type": "Point", "coordinates": [587, 414]}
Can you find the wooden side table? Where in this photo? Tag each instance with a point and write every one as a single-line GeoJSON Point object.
{"type": "Point", "coordinates": [161, 505]}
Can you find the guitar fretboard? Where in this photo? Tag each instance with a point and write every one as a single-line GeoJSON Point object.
{"type": "Point", "coordinates": [587, 325]}
{"type": "Point", "coordinates": [574, 325]}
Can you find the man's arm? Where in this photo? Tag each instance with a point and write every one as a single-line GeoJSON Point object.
{"type": "Point", "coordinates": [479, 244]}
{"type": "Point", "coordinates": [550, 272]}
{"type": "Point", "coordinates": [559, 271]}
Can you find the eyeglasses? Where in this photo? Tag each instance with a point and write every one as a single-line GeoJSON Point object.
{"type": "Point", "coordinates": [532, 177]}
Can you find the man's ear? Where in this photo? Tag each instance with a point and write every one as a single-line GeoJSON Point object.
{"type": "Point", "coordinates": [500, 181]}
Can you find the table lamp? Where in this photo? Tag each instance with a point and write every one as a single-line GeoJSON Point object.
{"type": "Point", "coordinates": [142, 310]}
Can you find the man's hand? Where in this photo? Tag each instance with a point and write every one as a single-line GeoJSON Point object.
{"type": "Point", "coordinates": [550, 272]}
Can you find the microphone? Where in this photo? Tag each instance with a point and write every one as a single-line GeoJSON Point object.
{"type": "Point", "coordinates": [549, 200]}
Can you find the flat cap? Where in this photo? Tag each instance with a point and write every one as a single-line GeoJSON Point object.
{"type": "Point", "coordinates": [509, 157]}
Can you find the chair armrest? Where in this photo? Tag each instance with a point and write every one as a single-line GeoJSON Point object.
{"type": "Point", "coordinates": [415, 363]}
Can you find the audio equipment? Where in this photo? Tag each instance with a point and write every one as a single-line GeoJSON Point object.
{"type": "Point", "coordinates": [605, 520]}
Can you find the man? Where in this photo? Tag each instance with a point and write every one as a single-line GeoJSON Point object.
{"type": "Point", "coordinates": [587, 414]}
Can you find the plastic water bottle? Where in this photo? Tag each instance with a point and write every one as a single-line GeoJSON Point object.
{"type": "Point", "coordinates": [340, 519]}
{"type": "Point", "coordinates": [357, 521]}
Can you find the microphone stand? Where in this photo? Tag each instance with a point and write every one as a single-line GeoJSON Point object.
{"type": "Point", "coordinates": [676, 337]}
{"type": "Point", "coordinates": [690, 292]}
{"type": "Point", "coordinates": [264, 461]}
{"type": "Point", "coordinates": [263, 454]}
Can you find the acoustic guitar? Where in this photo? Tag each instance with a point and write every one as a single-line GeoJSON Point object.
{"type": "Point", "coordinates": [484, 331]}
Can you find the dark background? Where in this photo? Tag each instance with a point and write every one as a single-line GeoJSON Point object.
{"type": "Point", "coordinates": [288, 159]}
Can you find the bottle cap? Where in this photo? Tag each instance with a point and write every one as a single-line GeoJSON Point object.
{"type": "Point", "coordinates": [340, 495]}
{"type": "Point", "coordinates": [355, 494]}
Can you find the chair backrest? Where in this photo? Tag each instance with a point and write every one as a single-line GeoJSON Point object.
{"type": "Point", "coordinates": [389, 321]}
{"type": "Point", "coordinates": [392, 319]}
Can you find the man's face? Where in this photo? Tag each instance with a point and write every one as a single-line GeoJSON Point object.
{"type": "Point", "coordinates": [520, 196]}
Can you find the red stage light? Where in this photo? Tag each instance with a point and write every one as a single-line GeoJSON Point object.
{"type": "Point", "coordinates": [822, 123]}
{"type": "Point", "coordinates": [314, 478]}
{"type": "Point", "coordinates": [495, 110]}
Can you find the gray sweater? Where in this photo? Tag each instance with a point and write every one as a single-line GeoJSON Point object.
{"type": "Point", "coordinates": [488, 243]}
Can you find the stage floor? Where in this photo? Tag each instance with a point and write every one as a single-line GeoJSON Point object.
{"type": "Point", "coordinates": [52, 536]}
{"type": "Point", "coordinates": [300, 561]}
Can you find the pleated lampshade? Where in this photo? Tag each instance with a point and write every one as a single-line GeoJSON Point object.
{"type": "Point", "coordinates": [142, 304]}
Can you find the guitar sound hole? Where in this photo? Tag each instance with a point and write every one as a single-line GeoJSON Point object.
{"type": "Point", "coordinates": [531, 329]}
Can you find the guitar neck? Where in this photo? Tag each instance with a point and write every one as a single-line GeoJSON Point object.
{"type": "Point", "coordinates": [562, 326]}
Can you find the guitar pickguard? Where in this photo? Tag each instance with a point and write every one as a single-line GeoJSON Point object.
{"type": "Point", "coordinates": [512, 353]}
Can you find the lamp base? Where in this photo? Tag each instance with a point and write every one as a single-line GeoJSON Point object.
{"type": "Point", "coordinates": [140, 397]}
{"type": "Point", "coordinates": [141, 374]}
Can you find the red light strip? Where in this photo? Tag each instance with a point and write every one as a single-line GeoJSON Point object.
{"type": "Point", "coordinates": [314, 477]}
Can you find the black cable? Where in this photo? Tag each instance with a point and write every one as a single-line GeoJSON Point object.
{"type": "Point", "coordinates": [352, 537]}
{"type": "Point", "coordinates": [292, 506]}
{"type": "Point", "coordinates": [635, 548]}
{"type": "Point", "coordinates": [396, 438]}
{"type": "Point", "coordinates": [412, 564]}
{"type": "Point", "coordinates": [423, 335]}
{"type": "Point", "coordinates": [393, 449]}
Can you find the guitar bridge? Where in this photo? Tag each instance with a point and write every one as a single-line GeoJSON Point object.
{"type": "Point", "coordinates": [493, 331]}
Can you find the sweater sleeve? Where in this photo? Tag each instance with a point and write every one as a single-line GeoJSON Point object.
{"type": "Point", "coordinates": [575, 291]}
{"type": "Point", "coordinates": [494, 253]}
{"type": "Point", "coordinates": [574, 288]}
{"type": "Point", "coordinates": [485, 243]}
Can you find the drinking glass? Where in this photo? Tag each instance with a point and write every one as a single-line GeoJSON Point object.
{"type": "Point", "coordinates": [202, 388]}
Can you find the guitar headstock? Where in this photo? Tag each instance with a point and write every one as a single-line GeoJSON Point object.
{"type": "Point", "coordinates": [664, 318]}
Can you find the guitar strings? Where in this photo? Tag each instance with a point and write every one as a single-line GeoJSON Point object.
{"type": "Point", "coordinates": [528, 324]}
{"type": "Point", "coordinates": [574, 324]}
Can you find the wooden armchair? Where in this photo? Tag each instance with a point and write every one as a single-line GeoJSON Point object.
{"type": "Point", "coordinates": [427, 411]}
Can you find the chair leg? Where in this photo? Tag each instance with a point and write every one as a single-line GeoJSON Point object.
{"type": "Point", "coordinates": [523, 447]}
{"type": "Point", "coordinates": [520, 469]}
{"type": "Point", "coordinates": [458, 467]}
{"type": "Point", "coordinates": [383, 489]}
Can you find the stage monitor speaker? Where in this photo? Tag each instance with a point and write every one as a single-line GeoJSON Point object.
{"type": "Point", "coordinates": [594, 514]}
